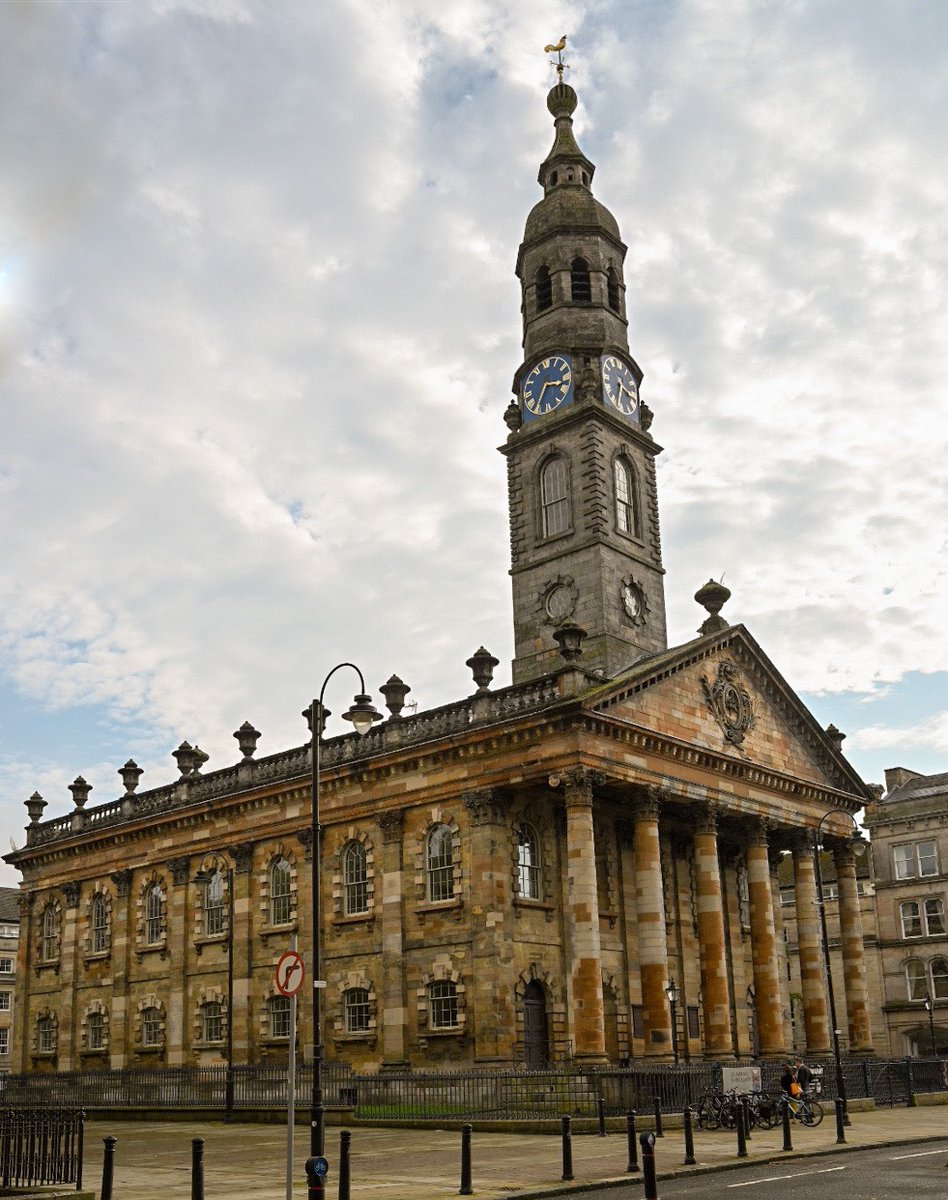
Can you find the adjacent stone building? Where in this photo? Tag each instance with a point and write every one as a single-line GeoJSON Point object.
{"type": "Point", "coordinates": [515, 876]}
{"type": "Point", "coordinates": [909, 826]}
{"type": "Point", "coordinates": [9, 941]}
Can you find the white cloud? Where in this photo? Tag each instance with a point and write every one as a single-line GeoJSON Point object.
{"type": "Point", "coordinates": [258, 322]}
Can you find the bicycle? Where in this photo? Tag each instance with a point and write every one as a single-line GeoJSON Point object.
{"type": "Point", "coordinates": [808, 1112]}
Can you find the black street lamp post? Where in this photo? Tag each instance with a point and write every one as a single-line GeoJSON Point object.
{"type": "Point", "coordinates": [362, 715]}
{"type": "Point", "coordinates": [671, 991]}
{"type": "Point", "coordinates": [204, 876]}
{"type": "Point", "coordinates": [857, 840]}
{"type": "Point", "coordinates": [930, 1009]}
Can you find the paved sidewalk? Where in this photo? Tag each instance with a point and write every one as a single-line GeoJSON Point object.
{"type": "Point", "coordinates": [153, 1160]}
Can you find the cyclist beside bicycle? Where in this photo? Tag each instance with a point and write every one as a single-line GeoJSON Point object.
{"type": "Point", "coordinates": [790, 1087]}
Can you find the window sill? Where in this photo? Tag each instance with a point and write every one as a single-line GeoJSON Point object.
{"type": "Point", "coordinates": [431, 908]}
{"type": "Point", "coordinates": [215, 939]}
{"type": "Point", "coordinates": [51, 964]}
{"type": "Point", "coordinates": [369, 1038]}
{"type": "Point", "coordinates": [94, 956]}
{"type": "Point", "coordinates": [365, 918]}
{"type": "Point", "coordinates": [524, 904]}
{"type": "Point", "coordinates": [159, 948]}
{"type": "Point", "coordinates": [270, 931]}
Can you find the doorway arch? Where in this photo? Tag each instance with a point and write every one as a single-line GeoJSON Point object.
{"type": "Point", "coordinates": [536, 1037]}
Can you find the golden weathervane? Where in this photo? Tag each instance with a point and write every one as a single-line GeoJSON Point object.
{"type": "Point", "coordinates": [557, 48]}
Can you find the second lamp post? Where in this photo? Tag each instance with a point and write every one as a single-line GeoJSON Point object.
{"type": "Point", "coordinates": [362, 714]}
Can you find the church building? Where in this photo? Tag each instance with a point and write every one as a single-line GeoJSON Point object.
{"type": "Point", "coordinates": [515, 877]}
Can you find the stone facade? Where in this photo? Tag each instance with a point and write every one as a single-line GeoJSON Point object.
{"type": "Point", "coordinates": [514, 877]}
{"type": "Point", "coordinates": [9, 939]}
{"type": "Point", "coordinates": [909, 826]}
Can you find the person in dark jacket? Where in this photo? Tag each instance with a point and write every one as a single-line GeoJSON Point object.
{"type": "Point", "coordinates": [804, 1075]}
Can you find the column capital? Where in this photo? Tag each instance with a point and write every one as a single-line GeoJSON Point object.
{"type": "Point", "coordinates": [391, 824]}
{"type": "Point", "coordinates": [179, 868]}
{"type": "Point", "coordinates": [578, 784]}
{"type": "Point", "coordinates": [647, 803]}
{"type": "Point", "coordinates": [71, 894]}
{"type": "Point", "coordinates": [305, 838]}
{"type": "Point", "coordinates": [843, 854]}
{"type": "Point", "coordinates": [243, 857]}
{"type": "Point", "coordinates": [706, 818]}
{"type": "Point", "coordinates": [758, 831]}
{"type": "Point", "coordinates": [485, 805]}
{"type": "Point", "coordinates": [123, 882]}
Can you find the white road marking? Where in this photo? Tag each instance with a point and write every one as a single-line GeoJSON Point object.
{"type": "Point", "coordinates": [920, 1154]}
{"type": "Point", "coordinates": [780, 1178]}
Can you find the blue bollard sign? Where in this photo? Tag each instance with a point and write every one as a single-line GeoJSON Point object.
{"type": "Point", "coordinates": [320, 1167]}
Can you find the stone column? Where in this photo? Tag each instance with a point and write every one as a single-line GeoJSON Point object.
{"type": "Point", "coordinates": [650, 912]}
{"type": "Point", "coordinates": [69, 1036]}
{"type": "Point", "coordinates": [491, 907]}
{"type": "Point", "coordinates": [774, 860]}
{"type": "Point", "coordinates": [179, 936]}
{"type": "Point", "coordinates": [240, 947]}
{"type": "Point", "coordinates": [122, 1024]}
{"type": "Point", "coordinates": [582, 920]}
{"type": "Point", "coordinates": [810, 949]}
{"type": "Point", "coordinates": [854, 963]}
{"type": "Point", "coordinates": [764, 947]}
{"type": "Point", "coordinates": [716, 1000]}
{"type": "Point", "coordinates": [393, 1017]}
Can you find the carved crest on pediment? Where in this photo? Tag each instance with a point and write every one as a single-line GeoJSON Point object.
{"type": "Point", "coordinates": [730, 702]}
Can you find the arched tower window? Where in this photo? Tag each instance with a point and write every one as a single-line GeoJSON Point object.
{"type": "Point", "coordinates": [612, 289]}
{"type": "Point", "coordinates": [214, 905]}
{"type": "Point", "coordinates": [154, 912]}
{"type": "Point", "coordinates": [554, 497]}
{"type": "Point", "coordinates": [100, 924]}
{"type": "Point", "coordinates": [544, 285]}
{"type": "Point", "coordinates": [580, 287]}
{"type": "Point", "coordinates": [49, 945]}
{"type": "Point", "coordinates": [626, 514]}
{"type": "Point", "coordinates": [355, 878]}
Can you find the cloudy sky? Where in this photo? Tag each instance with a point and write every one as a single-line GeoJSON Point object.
{"type": "Point", "coordinates": [259, 319]}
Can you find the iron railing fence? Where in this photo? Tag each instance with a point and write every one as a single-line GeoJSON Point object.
{"type": "Point", "coordinates": [40, 1146]}
{"type": "Point", "coordinates": [476, 1094]}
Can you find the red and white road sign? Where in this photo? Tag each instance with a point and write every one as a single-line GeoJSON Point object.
{"type": "Point", "coordinates": [289, 973]}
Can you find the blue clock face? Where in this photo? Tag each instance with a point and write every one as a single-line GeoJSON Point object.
{"type": "Point", "coordinates": [618, 386]}
{"type": "Point", "coordinates": [548, 386]}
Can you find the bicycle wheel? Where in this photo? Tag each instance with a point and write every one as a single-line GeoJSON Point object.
{"type": "Point", "coordinates": [815, 1114]}
{"type": "Point", "coordinates": [767, 1114]}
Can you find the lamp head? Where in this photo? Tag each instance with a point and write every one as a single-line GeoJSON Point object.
{"type": "Point", "coordinates": [927, 1004]}
{"type": "Point", "coordinates": [671, 991]}
{"type": "Point", "coordinates": [362, 714]}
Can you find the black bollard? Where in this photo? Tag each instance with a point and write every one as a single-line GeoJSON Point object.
{"type": "Point", "coordinates": [745, 1115]}
{"type": "Point", "coordinates": [689, 1139]}
{"type": "Point", "coordinates": [465, 1189]}
{"type": "Point", "coordinates": [108, 1167]}
{"type": "Point", "coordinates": [316, 1170]}
{"type": "Point", "coordinates": [787, 1142]}
{"type": "Point", "coordinates": [345, 1137]}
{"type": "Point", "coordinates": [567, 1149]}
{"type": "Point", "coordinates": [658, 1117]}
{"type": "Point", "coordinates": [630, 1138]}
{"type": "Point", "coordinates": [80, 1149]}
{"type": "Point", "coordinates": [840, 1122]}
{"type": "Point", "coordinates": [647, 1142]}
{"type": "Point", "coordinates": [741, 1136]}
{"type": "Point", "coordinates": [197, 1169]}
{"type": "Point", "coordinates": [601, 1111]}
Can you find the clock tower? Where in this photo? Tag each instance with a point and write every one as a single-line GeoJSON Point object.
{"type": "Point", "coordinates": [584, 533]}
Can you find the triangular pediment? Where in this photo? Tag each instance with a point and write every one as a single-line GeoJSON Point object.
{"type": "Point", "coordinates": [721, 693]}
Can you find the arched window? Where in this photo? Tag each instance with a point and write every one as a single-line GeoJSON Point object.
{"type": "Point", "coordinates": [554, 497]}
{"type": "Point", "coordinates": [151, 1027]}
{"type": "Point", "coordinates": [528, 862]}
{"type": "Point", "coordinates": [544, 285]}
{"type": "Point", "coordinates": [442, 1004]}
{"type": "Point", "coordinates": [99, 920]}
{"type": "Point", "coordinates": [580, 287]}
{"type": "Point", "coordinates": [355, 876]}
{"type": "Point", "coordinates": [626, 515]}
{"type": "Point", "coordinates": [612, 289]}
{"type": "Point", "coordinates": [154, 912]}
{"type": "Point", "coordinates": [357, 1009]}
{"type": "Point", "coordinates": [212, 1022]}
{"type": "Point", "coordinates": [440, 864]}
{"type": "Point", "coordinates": [939, 979]}
{"type": "Point", "coordinates": [911, 919]}
{"type": "Point", "coordinates": [278, 1008]}
{"type": "Point", "coordinates": [917, 979]}
{"type": "Point", "coordinates": [214, 905]}
{"type": "Point", "coordinates": [49, 947]}
{"type": "Point", "coordinates": [95, 1031]}
{"type": "Point", "coordinates": [280, 907]}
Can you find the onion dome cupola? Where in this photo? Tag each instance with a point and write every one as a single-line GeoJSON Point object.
{"type": "Point", "coordinates": [584, 531]}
